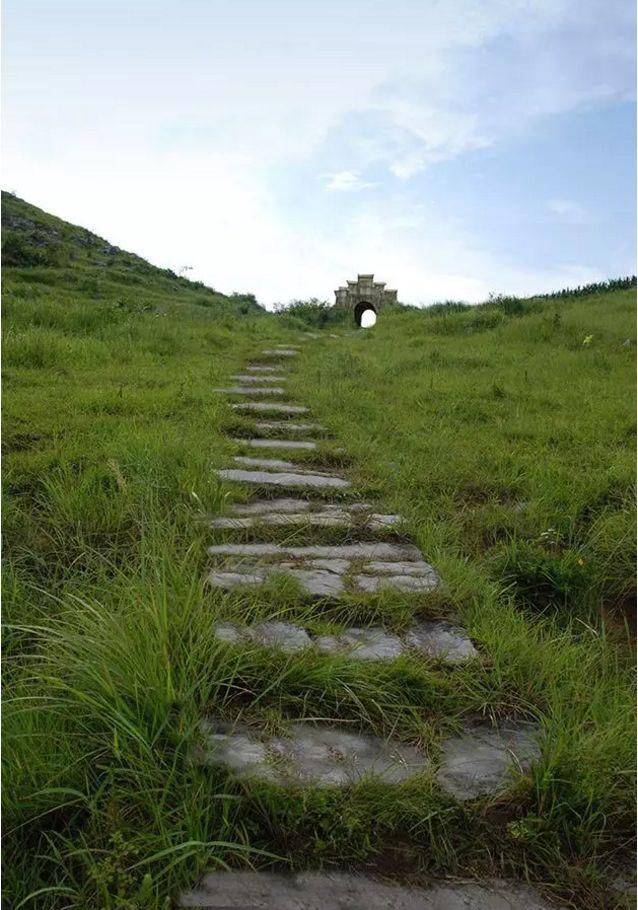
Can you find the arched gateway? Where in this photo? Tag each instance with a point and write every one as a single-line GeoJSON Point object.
{"type": "Point", "coordinates": [363, 295]}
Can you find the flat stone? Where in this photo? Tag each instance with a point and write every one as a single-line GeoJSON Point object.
{"type": "Point", "coordinates": [305, 444]}
{"type": "Point", "coordinates": [288, 425]}
{"type": "Point", "coordinates": [371, 584]}
{"type": "Point", "coordinates": [310, 755]}
{"type": "Point", "coordinates": [280, 352]}
{"type": "Point", "coordinates": [441, 640]}
{"type": "Point", "coordinates": [272, 407]}
{"type": "Point", "coordinates": [284, 635]}
{"type": "Point", "coordinates": [246, 377]}
{"type": "Point", "coordinates": [228, 580]}
{"type": "Point", "coordinates": [265, 478]}
{"type": "Point", "coordinates": [250, 890]}
{"type": "Point", "coordinates": [318, 582]}
{"type": "Point", "coordinates": [259, 506]}
{"type": "Point", "coordinates": [363, 644]}
{"type": "Point", "coordinates": [345, 551]}
{"type": "Point", "coordinates": [251, 390]}
{"type": "Point", "coordinates": [266, 463]}
{"type": "Point", "coordinates": [229, 632]}
{"type": "Point", "coordinates": [261, 369]}
{"type": "Point", "coordinates": [338, 566]}
{"type": "Point", "coordinates": [481, 760]}
{"type": "Point", "coordinates": [304, 519]}
{"type": "Point", "coordinates": [382, 567]}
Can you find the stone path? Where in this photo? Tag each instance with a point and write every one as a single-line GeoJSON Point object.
{"type": "Point", "coordinates": [479, 760]}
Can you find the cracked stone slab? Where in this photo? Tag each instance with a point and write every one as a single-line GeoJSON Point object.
{"type": "Point", "coordinates": [438, 640]}
{"type": "Point", "coordinates": [247, 377]}
{"type": "Point", "coordinates": [272, 407]}
{"type": "Point", "coordinates": [345, 551]}
{"type": "Point", "coordinates": [372, 584]}
{"type": "Point", "coordinates": [305, 444]}
{"type": "Point", "coordinates": [482, 760]}
{"type": "Point", "coordinates": [251, 890]}
{"type": "Point", "coordinates": [322, 571]}
{"type": "Point", "coordinates": [363, 644]}
{"type": "Point", "coordinates": [301, 512]}
{"type": "Point", "coordinates": [442, 640]}
{"type": "Point", "coordinates": [268, 464]}
{"type": "Point", "coordinates": [283, 479]}
{"type": "Point", "coordinates": [285, 636]}
{"type": "Point", "coordinates": [251, 390]}
{"type": "Point", "coordinates": [309, 755]}
{"type": "Point", "coordinates": [288, 425]}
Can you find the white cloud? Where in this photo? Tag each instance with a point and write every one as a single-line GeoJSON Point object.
{"type": "Point", "coordinates": [569, 212]}
{"type": "Point", "coordinates": [346, 182]}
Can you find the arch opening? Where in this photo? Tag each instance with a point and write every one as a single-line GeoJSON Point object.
{"type": "Point", "coordinates": [365, 315]}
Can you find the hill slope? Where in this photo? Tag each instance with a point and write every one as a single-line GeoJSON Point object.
{"type": "Point", "coordinates": [39, 249]}
{"type": "Point", "coordinates": [504, 434]}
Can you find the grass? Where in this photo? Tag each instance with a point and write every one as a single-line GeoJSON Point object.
{"type": "Point", "coordinates": [504, 440]}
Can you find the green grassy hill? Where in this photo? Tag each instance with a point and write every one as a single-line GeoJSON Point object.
{"type": "Point", "coordinates": [505, 434]}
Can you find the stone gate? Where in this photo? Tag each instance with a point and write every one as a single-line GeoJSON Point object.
{"type": "Point", "coordinates": [364, 294]}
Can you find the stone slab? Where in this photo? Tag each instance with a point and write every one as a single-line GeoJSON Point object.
{"type": "Point", "coordinates": [346, 551]}
{"type": "Point", "coordinates": [271, 407]}
{"type": "Point", "coordinates": [283, 479]}
{"type": "Point", "coordinates": [280, 352]}
{"type": "Point", "coordinates": [481, 760]}
{"type": "Point", "coordinates": [268, 464]}
{"type": "Point", "coordinates": [288, 425]}
{"type": "Point", "coordinates": [309, 755]}
{"type": "Point", "coordinates": [438, 639]}
{"type": "Point", "coordinates": [260, 368]}
{"type": "Point", "coordinates": [250, 890]}
{"type": "Point", "coordinates": [441, 640]}
{"type": "Point", "coordinates": [251, 390]}
{"type": "Point", "coordinates": [247, 377]}
{"type": "Point", "coordinates": [305, 444]}
{"type": "Point", "coordinates": [372, 584]}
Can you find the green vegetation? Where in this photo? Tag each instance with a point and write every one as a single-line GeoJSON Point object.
{"type": "Point", "coordinates": [501, 432]}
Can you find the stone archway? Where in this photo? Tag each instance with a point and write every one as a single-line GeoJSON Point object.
{"type": "Point", "coordinates": [362, 307]}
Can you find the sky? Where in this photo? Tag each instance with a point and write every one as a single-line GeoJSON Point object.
{"type": "Point", "coordinates": [454, 148]}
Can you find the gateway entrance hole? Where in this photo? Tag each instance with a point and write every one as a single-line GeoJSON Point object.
{"type": "Point", "coordinates": [365, 315]}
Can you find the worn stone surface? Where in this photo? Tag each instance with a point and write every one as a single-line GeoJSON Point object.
{"type": "Point", "coordinates": [239, 890]}
{"type": "Point", "coordinates": [285, 636]}
{"type": "Point", "coordinates": [271, 407]}
{"type": "Point", "coordinates": [310, 755]}
{"type": "Point", "coordinates": [268, 464]}
{"type": "Point", "coordinates": [247, 377]}
{"type": "Point", "coordinates": [280, 352]}
{"type": "Point", "coordinates": [283, 479]}
{"type": "Point", "coordinates": [260, 368]}
{"type": "Point", "coordinates": [363, 644]}
{"type": "Point", "coordinates": [251, 390]}
{"type": "Point", "coordinates": [481, 760]}
{"type": "Point", "coordinates": [289, 426]}
{"type": "Point", "coordinates": [322, 571]}
{"type": "Point", "coordinates": [336, 519]}
{"type": "Point", "coordinates": [439, 640]}
{"type": "Point", "coordinates": [305, 444]}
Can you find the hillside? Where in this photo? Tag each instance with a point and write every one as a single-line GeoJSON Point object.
{"type": "Point", "coordinates": [43, 252]}
{"type": "Point", "coordinates": [502, 435]}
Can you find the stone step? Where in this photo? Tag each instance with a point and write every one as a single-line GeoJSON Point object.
{"type": "Point", "coordinates": [271, 407]}
{"type": "Point", "coordinates": [289, 512]}
{"type": "Point", "coordinates": [480, 761]}
{"type": "Point", "coordinates": [260, 368]}
{"type": "Point", "coordinates": [306, 444]}
{"type": "Point", "coordinates": [268, 464]}
{"type": "Point", "coordinates": [283, 479]}
{"type": "Point", "coordinates": [437, 639]}
{"type": "Point", "coordinates": [280, 352]}
{"type": "Point", "coordinates": [325, 571]}
{"type": "Point", "coordinates": [246, 377]}
{"type": "Point", "coordinates": [253, 890]}
{"type": "Point", "coordinates": [288, 426]}
{"type": "Point", "coordinates": [251, 390]}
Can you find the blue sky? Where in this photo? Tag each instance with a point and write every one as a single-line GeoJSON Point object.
{"type": "Point", "coordinates": [452, 147]}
